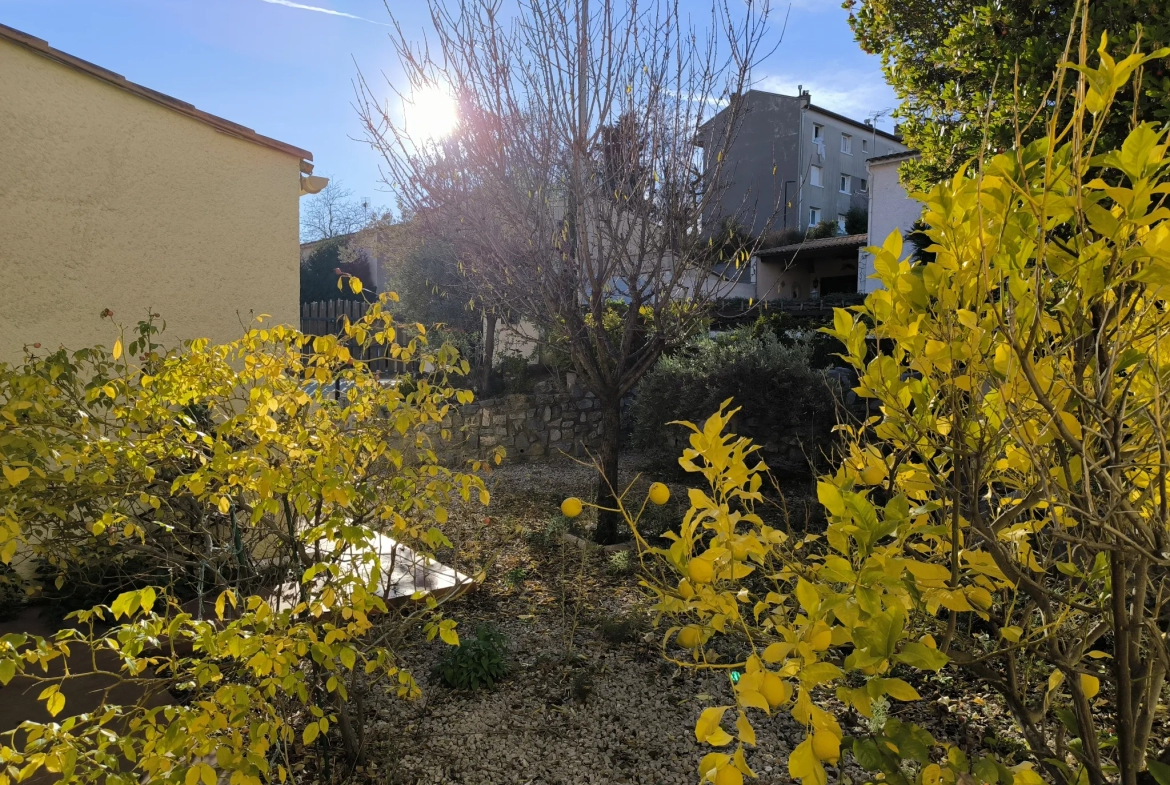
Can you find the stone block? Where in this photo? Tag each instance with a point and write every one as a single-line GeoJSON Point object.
{"type": "Point", "coordinates": [499, 419]}
{"type": "Point", "coordinates": [584, 403]}
{"type": "Point", "coordinates": [546, 415]}
{"type": "Point", "coordinates": [554, 435]}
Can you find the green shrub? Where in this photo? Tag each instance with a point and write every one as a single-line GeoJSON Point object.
{"type": "Point", "coordinates": [619, 563]}
{"type": "Point", "coordinates": [479, 661]}
{"type": "Point", "coordinates": [787, 404]}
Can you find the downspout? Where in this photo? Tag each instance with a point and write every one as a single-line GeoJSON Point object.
{"type": "Point", "coordinates": [800, 155]}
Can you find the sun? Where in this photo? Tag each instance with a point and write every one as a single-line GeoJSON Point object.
{"type": "Point", "coordinates": [430, 114]}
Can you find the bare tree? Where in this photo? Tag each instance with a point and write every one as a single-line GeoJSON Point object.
{"type": "Point", "coordinates": [574, 176]}
{"type": "Point", "coordinates": [333, 213]}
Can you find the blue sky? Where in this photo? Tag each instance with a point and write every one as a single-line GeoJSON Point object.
{"type": "Point", "coordinates": [287, 72]}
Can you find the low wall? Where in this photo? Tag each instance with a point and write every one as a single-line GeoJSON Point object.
{"type": "Point", "coordinates": [548, 421]}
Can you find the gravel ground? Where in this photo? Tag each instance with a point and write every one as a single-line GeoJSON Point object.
{"type": "Point", "coordinates": [603, 709]}
{"type": "Point", "coordinates": [582, 704]}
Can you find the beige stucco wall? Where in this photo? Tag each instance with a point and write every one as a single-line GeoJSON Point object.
{"type": "Point", "coordinates": [108, 200]}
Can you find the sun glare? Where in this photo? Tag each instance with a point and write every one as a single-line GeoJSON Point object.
{"type": "Point", "coordinates": [431, 114]}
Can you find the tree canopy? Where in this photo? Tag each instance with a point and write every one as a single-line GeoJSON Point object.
{"type": "Point", "coordinates": [965, 72]}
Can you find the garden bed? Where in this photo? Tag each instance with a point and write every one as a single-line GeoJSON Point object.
{"type": "Point", "coordinates": [589, 697]}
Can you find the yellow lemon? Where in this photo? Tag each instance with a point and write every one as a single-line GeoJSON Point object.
{"type": "Point", "coordinates": [701, 570]}
{"type": "Point", "coordinates": [571, 507]}
{"type": "Point", "coordinates": [822, 640]}
{"type": "Point", "coordinates": [659, 494]}
{"type": "Point", "coordinates": [685, 590]}
{"type": "Point", "coordinates": [690, 637]}
{"type": "Point", "coordinates": [729, 775]}
{"type": "Point", "coordinates": [826, 746]}
{"type": "Point", "coordinates": [776, 691]}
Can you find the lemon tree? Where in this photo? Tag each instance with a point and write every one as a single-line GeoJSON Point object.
{"type": "Point", "coordinates": [257, 478]}
{"type": "Point", "coordinates": [1004, 514]}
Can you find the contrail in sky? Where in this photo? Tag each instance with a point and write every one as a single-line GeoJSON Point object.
{"type": "Point", "coordinates": [318, 9]}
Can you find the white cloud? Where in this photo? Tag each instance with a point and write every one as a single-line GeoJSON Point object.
{"type": "Point", "coordinates": [853, 93]}
{"type": "Point", "coordinates": [318, 9]}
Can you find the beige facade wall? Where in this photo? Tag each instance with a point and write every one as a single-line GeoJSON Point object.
{"type": "Point", "coordinates": [109, 200]}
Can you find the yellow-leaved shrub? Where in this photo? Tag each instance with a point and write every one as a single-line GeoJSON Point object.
{"type": "Point", "coordinates": [252, 483]}
{"type": "Point", "coordinates": [1003, 514]}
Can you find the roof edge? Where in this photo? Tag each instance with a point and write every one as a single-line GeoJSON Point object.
{"type": "Point", "coordinates": [855, 123]}
{"type": "Point", "coordinates": [41, 47]}
{"type": "Point", "coordinates": [903, 155]}
{"type": "Point", "coordinates": [837, 241]}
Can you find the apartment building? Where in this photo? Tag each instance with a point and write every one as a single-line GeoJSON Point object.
{"type": "Point", "coordinates": [792, 164]}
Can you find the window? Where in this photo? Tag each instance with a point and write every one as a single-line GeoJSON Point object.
{"type": "Point", "coordinates": [847, 144]}
{"type": "Point", "coordinates": [841, 223]}
{"type": "Point", "coordinates": [846, 181]}
{"type": "Point", "coordinates": [818, 133]}
{"type": "Point", "coordinates": [815, 176]}
{"type": "Point", "coordinates": [863, 185]}
{"type": "Point", "coordinates": [814, 216]}
{"type": "Point", "coordinates": [865, 145]}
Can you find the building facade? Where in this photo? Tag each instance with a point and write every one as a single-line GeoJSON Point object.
{"type": "Point", "coordinates": [891, 209]}
{"type": "Point", "coordinates": [791, 164]}
{"type": "Point", "coordinates": [118, 197]}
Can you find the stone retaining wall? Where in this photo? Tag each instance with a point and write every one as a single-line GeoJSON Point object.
{"type": "Point", "coordinates": [549, 421]}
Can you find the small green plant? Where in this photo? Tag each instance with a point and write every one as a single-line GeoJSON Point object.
{"type": "Point", "coordinates": [479, 661]}
{"type": "Point", "coordinates": [515, 577]}
{"type": "Point", "coordinates": [619, 563]}
{"type": "Point", "coordinates": [624, 628]}
{"type": "Point", "coordinates": [552, 533]}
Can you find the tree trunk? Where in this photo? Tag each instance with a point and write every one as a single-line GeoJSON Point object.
{"type": "Point", "coordinates": [489, 351]}
{"type": "Point", "coordinates": [609, 451]}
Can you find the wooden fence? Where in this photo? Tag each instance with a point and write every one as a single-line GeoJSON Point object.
{"type": "Point", "coordinates": [326, 318]}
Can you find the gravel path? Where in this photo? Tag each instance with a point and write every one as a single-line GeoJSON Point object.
{"type": "Point", "coordinates": [605, 708]}
{"type": "Point", "coordinates": [610, 714]}
{"type": "Point", "coordinates": [608, 711]}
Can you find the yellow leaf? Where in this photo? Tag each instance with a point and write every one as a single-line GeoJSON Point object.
{"type": "Point", "coordinates": [447, 632]}
{"type": "Point", "coordinates": [747, 734]}
{"type": "Point", "coordinates": [117, 348]}
{"type": "Point", "coordinates": [707, 729]}
{"type": "Point", "coordinates": [54, 700]}
{"type": "Point", "coordinates": [355, 285]}
{"type": "Point", "coordinates": [804, 766]}
{"type": "Point", "coordinates": [776, 652]}
{"type": "Point", "coordinates": [311, 732]}
{"type": "Point", "coordinates": [348, 658]}
{"type": "Point", "coordinates": [900, 690]}
{"type": "Point", "coordinates": [1091, 685]}
{"type": "Point", "coordinates": [807, 596]}
{"type": "Point", "coordinates": [15, 476]}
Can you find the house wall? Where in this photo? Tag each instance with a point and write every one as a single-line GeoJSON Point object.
{"type": "Point", "coordinates": [828, 197]}
{"type": "Point", "coordinates": [796, 281]}
{"type": "Point", "coordinates": [111, 201]}
{"type": "Point", "coordinates": [891, 209]}
{"type": "Point", "coordinates": [751, 193]}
